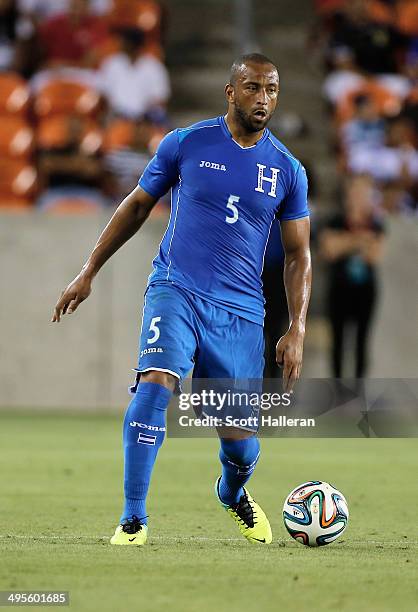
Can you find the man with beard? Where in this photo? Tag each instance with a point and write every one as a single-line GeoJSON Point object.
{"type": "Point", "coordinates": [229, 179]}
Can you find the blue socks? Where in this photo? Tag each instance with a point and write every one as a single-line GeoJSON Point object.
{"type": "Point", "coordinates": [238, 458]}
{"type": "Point", "coordinates": [143, 434]}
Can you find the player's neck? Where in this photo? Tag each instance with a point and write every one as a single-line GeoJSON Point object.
{"type": "Point", "coordinates": [239, 133]}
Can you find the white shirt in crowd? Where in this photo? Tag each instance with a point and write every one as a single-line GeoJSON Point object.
{"type": "Point", "coordinates": [340, 83]}
{"type": "Point", "coordinates": [48, 8]}
{"type": "Point", "coordinates": [384, 163]}
{"type": "Point", "coordinates": [133, 88]}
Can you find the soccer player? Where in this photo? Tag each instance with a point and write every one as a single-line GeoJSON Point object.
{"type": "Point", "coordinates": [203, 307]}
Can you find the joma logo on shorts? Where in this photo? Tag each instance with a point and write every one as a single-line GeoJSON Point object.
{"type": "Point", "coordinates": [151, 350]}
{"type": "Point", "coordinates": [212, 165]}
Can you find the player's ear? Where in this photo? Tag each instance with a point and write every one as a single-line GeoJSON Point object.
{"type": "Point", "coordinates": [229, 92]}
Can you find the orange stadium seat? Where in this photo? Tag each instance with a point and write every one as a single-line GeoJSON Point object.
{"type": "Point", "coordinates": [55, 133]}
{"type": "Point", "coordinates": [407, 17]}
{"type": "Point", "coordinates": [65, 98]}
{"type": "Point", "coordinates": [14, 94]}
{"type": "Point", "coordinates": [16, 138]}
{"type": "Point", "coordinates": [119, 134]}
{"type": "Point", "coordinates": [123, 133]}
{"type": "Point", "coordinates": [15, 205]}
{"type": "Point", "coordinates": [18, 182]}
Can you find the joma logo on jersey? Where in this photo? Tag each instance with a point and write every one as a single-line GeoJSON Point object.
{"type": "Point", "coordinates": [270, 179]}
{"type": "Point", "coordinates": [212, 165]}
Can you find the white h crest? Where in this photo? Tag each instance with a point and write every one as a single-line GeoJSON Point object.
{"type": "Point", "coordinates": [272, 180]}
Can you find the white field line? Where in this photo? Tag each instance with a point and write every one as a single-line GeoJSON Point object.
{"type": "Point", "coordinates": [190, 539]}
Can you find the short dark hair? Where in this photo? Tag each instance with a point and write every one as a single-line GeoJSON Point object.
{"type": "Point", "coordinates": [131, 35]}
{"type": "Point", "coordinates": [248, 58]}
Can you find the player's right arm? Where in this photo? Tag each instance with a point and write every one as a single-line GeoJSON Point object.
{"type": "Point", "coordinates": [126, 221]}
{"type": "Point", "coordinates": [159, 176]}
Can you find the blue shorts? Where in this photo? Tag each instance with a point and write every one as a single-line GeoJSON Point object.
{"type": "Point", "coordinates": [180, 331]}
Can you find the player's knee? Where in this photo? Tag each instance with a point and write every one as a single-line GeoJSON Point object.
{"type": "Point", "coordinates": [244, 452]}
{"type": "Point", "coordinates": [160, 378]}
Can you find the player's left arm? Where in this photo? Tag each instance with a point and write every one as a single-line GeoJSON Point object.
{"type": "Point", "coordinates": [295, 228]}
{"type": "Point", "coordinates": [297, 281]}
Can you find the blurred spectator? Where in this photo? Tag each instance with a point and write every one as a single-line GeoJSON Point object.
{"type": "Point", "coordinates": [16, 40]}
{"type": "Point", "coordinates": [133, 82]}
{"type": "Point", "coordinates": [366, 130]}
{"type": "Point", "coordinates": [403, 84]}
{"type": "Point", "coordinates": [386, 103]}
{"type": "Point", "coordinates": [364, 28]}
{"type": "Point", "coordinates": [69, 161]}
{"type": "Point", "coordinates": [128, 147]}
{"type": "Point", "coordinates": [345, 76]}
{"type": "Point", "coordinates": [411, 73]}
{"type": "Point", "coordinates": [70, 38]}
{"type": "Point", "coordinates": [8, 33]}
{"type": "Point", "coordinates": [395, 161]}
{"type": "Point", "coordinates": [352, 245]}
{"type": "Point", "coordinates": [150, 16]}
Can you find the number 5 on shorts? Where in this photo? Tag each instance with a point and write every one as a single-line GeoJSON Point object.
{"type": "Point", "coordinates": [153, 327]}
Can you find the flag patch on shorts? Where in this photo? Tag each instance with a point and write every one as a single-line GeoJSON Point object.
{"type": "Point", "coordinates": [146, 439]}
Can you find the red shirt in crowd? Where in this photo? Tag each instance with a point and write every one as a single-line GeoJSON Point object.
{"type": "Point", "coordinates": [67, 42]}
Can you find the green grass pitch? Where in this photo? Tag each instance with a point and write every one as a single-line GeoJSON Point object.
{"type": "Point", "coordinates": [60, 500]}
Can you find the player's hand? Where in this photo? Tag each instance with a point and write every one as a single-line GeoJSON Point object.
{"type": "Point", "coordinates": [76, 292]}
{"type": "Point", "coordinates": [289, 351]}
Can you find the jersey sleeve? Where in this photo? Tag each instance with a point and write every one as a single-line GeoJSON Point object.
{"type": "Point", "coordinates": [162, 172]}
{"type": "Point", "coordinates": [295, 204]}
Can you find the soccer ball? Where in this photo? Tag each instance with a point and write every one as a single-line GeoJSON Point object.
{"type": "Point", "coordinates": [315, 513]}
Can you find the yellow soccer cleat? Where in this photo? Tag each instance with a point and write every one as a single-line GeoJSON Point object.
{"type": "Point", "coordinates": [131, 532]}
{"type": "Point", "coordinates": [250, 518]}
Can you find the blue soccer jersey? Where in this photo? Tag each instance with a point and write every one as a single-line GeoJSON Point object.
{"type": "Point", "coordinates": [224, 200]}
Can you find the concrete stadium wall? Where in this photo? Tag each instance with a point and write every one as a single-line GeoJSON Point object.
{"type": "Point", "coordinates": [85, 361]}
{"type": "Point", "coordinates": [395, 339]}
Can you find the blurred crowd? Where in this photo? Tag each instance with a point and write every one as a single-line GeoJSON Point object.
{"type": "Point", "coordinates": [83, 95]}
{"type": "Point", "coordinates": [370, 54]}
{"type": "Point", "coordinates": [369, 51]}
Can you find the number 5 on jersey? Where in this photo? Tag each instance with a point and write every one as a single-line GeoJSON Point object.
{"type": "Point", "coordinates": [155, 329]}
{"type": "Point", "coordinates": [231, 206]}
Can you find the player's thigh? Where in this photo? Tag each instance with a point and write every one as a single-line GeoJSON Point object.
{"type": "Point", "coordinates": [233, 348]}
{"type": "Point", "coordinates": [232, 357]}
{"type": "Point", "coordinates": [168, 335]}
